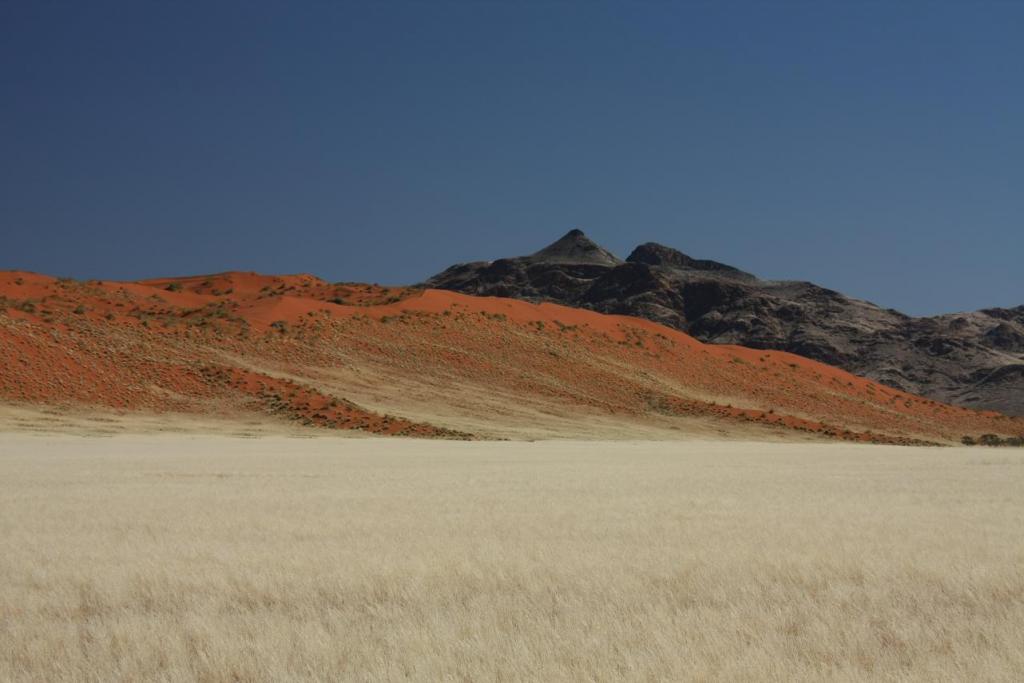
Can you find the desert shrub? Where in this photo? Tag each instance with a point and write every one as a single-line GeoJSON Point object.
{"type": "Point", "coordinates": [994, 440]}
{"type": "Point", "coordinates": [173, 287]}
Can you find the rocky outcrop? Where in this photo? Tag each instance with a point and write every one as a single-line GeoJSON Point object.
{"type": "Point", "coordinates": [974, 359]}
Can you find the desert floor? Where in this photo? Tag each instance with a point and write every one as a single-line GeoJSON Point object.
{"type": "Point", "coordinates": [176, 557]}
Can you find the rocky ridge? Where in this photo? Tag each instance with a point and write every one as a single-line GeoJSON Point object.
{"type": "Point", "coordinates": [973, 359]}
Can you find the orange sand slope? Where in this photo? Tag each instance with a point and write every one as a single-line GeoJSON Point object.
{"type": "Point", "coordinates": [427, 363]}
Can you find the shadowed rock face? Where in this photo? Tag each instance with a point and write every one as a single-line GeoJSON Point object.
{"type": "Point", "coordinates": [973, 359]}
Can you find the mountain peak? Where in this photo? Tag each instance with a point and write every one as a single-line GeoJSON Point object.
{"type": "Point", "coordinates": [654, 254]}
{"type": "Point", "coordinates": [575, 247]}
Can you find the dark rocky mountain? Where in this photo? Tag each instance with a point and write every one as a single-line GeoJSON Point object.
{"type": "Point", "coordinates": [973, 359]}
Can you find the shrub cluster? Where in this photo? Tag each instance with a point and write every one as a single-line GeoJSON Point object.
{"type": "Point", "coordinates": [993, 440]}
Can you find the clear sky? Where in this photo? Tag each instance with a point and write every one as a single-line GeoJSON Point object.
{"type": "Point", "coordinates": [873, 147]}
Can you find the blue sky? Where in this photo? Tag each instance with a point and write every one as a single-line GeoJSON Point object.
{"type": "Point", "coordinates": [873, 147]}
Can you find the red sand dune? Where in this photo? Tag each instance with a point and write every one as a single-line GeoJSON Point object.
{"type": "Point", "coordinates": [247, 342]}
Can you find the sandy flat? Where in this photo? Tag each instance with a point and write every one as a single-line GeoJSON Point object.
{"type": "Point", "coordinates": [186, 557]}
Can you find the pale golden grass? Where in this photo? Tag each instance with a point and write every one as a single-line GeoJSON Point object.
{"type": "Point", "coordinates": [201, 558]}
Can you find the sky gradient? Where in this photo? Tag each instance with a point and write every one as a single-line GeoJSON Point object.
{"type": "Point", "coordinates": [874, 148]}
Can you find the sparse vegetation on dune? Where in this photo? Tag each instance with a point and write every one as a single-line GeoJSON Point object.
{"type": "Point", "coordinates": [463, 364]}
{"type": "Point", "coordinates": [349, 559]}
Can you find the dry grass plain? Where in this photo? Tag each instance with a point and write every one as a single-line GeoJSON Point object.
{"type": "Point", "coordinates": [180, 558]}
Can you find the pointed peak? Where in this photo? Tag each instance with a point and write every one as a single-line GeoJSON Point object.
{"type": "Point", "coordinates": [575, 247]}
